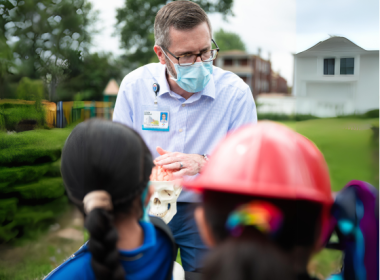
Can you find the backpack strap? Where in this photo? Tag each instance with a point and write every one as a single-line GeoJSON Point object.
{"type": "Point", "coordinates": [356, 225]}
{"type": "Point", "coordinates": [160, 224]}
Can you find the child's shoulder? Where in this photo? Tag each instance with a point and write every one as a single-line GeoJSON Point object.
{"type": "Point", "coordinates": [77, 266]}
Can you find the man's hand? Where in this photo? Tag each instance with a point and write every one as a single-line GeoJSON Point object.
{"type": "Point", "coordinates": [191, 163]}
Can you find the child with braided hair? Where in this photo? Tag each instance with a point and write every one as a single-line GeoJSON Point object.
{"type": "Point", "coordinates": [105, 169]}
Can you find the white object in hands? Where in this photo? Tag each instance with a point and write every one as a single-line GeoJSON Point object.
{"type": "Point", "coordinates": [163, 202]}
{"type": "Point", "coordinates": [178, 272]}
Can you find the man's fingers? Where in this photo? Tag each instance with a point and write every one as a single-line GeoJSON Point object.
{"type": "Point", "coordinates": [171, 166]}
{"type": "Point", "coordinates": [168, 158]}
{"type": "Point", "coordinates": [180, 173]}
{"type": "Point", "coordinates": [165, 156]}
{"type": "Point", "coordinates": [161, 151]}
{"type": "Point", "coordinates": [166, 161]}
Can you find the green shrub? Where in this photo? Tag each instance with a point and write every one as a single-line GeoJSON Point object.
{"type": "Point", "coordinates": [32, 147]}
{"type": "Point", "coordinates": [30, 89]}
{"type": "Point", "coordinates": [375, 131]}
{"type": "Point", "coordinates": [371, 114]}
{"type": "Point", "coordinates": [284, 117]}
{"type": "Point", "coordinates": [300, 117]}
{"type": "Point", "coordinates": [23, 174]}
{"type": "Point", "coordinates": [29, 221]}
{"type": "Point", "coordinates": [274, 117]}
{"type": "Point", "coordinates": [8, 105]}
{"type": "Point", "coordinates": [30, 179]}
{"type": "Point", "coordinates": [45, 188]}
{"type": "Point", "coordinates": [8, 208]}
{"type": "Point", "coordinates": [2, 122]}
{"type": "Point", "coordinates": [12, 116]}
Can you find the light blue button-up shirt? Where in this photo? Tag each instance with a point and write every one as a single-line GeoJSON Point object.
{"type": "Point", "coordinates": [197, 124]}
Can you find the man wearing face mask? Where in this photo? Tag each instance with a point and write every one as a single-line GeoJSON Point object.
{"type": "Point", "coordinates": [202, 103]}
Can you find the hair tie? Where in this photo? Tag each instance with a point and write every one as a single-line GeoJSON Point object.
{"type": "Point", "coordinates": [264, 216]}
{"type": "Point", "coordinates": [97, 199]}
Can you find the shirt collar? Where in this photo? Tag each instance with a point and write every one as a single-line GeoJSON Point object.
{"type": "Point", "coordinates": [163, 82]}
{"type": "Point", "coordinates": [209, 90]}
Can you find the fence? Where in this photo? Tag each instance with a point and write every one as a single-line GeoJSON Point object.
{"type": "Point", "coordinates": [73, 111]}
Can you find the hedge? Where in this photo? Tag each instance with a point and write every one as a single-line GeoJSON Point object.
{"type": "Point", "coordinates": [29, 221]}
{"type": "Point", "coordinates": [32, 147]}
{"type": "Point", "coordinates": [31, 187]}
{"type": "Point", "coordinates": [299, 117]}
{"type": "Point", "coordinates": [43, 189]}
{"type": "Point", "coordinates": [284, 117]}
{"type": "Point", "coordinates": [26, 174]}
{"type": "Point", "coordinates": [11, 117]}
{"type": "Point", "coordinates": [8, 209]}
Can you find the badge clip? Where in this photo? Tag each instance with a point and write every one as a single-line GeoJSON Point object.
{"type": "Point", "coordinates": [156, 89]}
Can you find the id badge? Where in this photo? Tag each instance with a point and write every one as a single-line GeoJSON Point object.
{"type": "Point", "coordinates": [156, 118]}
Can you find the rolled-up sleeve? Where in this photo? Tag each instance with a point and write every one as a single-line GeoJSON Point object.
{"type": "Point", "coordinates": [243, 110]}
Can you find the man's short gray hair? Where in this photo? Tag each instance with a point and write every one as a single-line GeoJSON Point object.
{"type": "Point", "coordinates": [182, 15]}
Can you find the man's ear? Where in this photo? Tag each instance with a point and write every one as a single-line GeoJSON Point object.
{"type": "Point", "coordinates": [160, 54]}
{"type": "Point", "coordinates": [203, 227]}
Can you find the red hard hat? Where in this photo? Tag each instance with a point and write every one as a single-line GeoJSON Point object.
{"type": "Point", "coordinates": [267, 159]}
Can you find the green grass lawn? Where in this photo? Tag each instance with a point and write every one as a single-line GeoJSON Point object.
{"type": "Point", "coordinates": [347, 146]}
{"type": "Point", "coordinates": [34, 259]}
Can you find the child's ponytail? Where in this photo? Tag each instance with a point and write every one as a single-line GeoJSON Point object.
{"type": "Point", "coordinates": [103, 236]}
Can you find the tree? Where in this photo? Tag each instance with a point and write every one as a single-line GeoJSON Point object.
{"type": "Point", "coordinates": [135, 24]}
{"type": "Point", "coordinates": [30, 89]}
{"type": "Point", "coordinates": [86, 78]}
{"type": "Point", "coordinates": [228, 41]}
{"type": "Point", "coordinates": [6, 57]}
{"type": "Point", "coordinates": [46, 33]}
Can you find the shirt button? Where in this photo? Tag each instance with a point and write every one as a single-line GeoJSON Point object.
{"type": "Point", "coordinates": [180, 130]}
{"type": "Point", "coordinates": [183, 105]}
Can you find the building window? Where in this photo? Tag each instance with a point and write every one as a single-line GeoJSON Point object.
{"type": "Point", "coordinates": [347, 66]}
{"type": "Point", "coordinates": [244, 62]}
{"type": "Point", "coordinates": [244, 79]}
{"type": "Point", "coordinates": [228, 62]}
{"type": "Point", "coordinates": [328, 66]}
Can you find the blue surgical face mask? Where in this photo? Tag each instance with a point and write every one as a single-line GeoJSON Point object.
{"type": "Point", "coordinates": [193, 78]}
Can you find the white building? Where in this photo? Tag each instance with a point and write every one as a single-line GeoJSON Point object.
{"type": "Point", "coordinates": [336, 77]}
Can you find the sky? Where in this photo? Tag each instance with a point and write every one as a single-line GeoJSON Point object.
{"type": "Point", "coordinates": [279, 28]}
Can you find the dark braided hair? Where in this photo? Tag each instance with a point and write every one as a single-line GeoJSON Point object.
{"type": "Point", "coordinates": [103, 155]}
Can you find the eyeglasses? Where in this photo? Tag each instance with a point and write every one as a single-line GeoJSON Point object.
{"type": "Point", "coordinates": [190, 59]}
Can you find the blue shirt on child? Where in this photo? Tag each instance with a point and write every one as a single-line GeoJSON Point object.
{"type": "Point", "coordinates": [151, 260]}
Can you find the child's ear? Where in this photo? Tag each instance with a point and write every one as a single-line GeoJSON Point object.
{"type": "Point", "coordinates": [203, 227]}
{"type": "Point", "coordinates": [148, 195]}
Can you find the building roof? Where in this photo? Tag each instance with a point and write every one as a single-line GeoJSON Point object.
{"type": "Point", "coordinates": [239, 69]}
{"type": "Point", "coordinates": [334, 43]}
{"type": "Point", "coordinates": [233, 53]}
{"type": "Point", "coordinates": [112, 88]}
{"type": "Point", "coordinates": [275, 74]}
